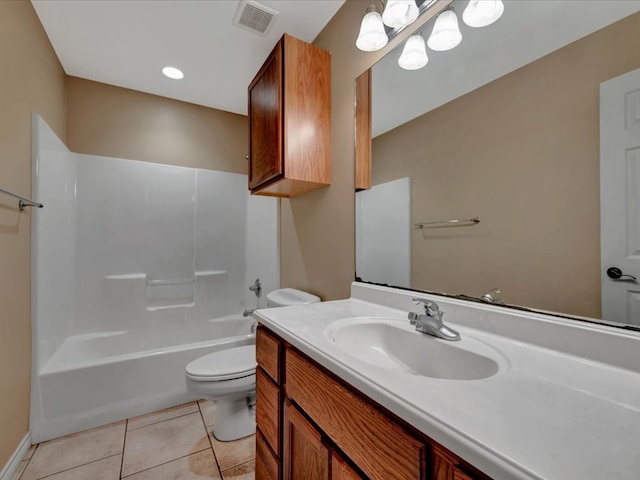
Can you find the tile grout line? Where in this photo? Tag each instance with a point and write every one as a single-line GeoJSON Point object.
{"type": "Point", "coordinates": [124, 444]}
{"type": "Point", "coordinates": [28, 460]}
{"type": "Point", "coordinates": [74, 467]}
{"type": "Point", "coordinates": [239, 465]}
{"type": "Point", "coordinates": [215, 456]}
{"type": "Point", "coordinates": [168, 461]}
{"type": "Point", "coordinates": [163, 463]}
{"type": "Point", "coordinates": [160, 421]}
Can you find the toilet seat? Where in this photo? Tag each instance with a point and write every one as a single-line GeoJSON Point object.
{"type": "Point", "coordinates": [229, 364]}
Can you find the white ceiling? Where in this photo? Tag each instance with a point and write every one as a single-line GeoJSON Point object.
{"type": "Point", "coordinates": [527, 31]}
{"type": "Point", "coordinates": [126, 43]}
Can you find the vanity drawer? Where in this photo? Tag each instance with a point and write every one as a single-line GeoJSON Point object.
{"type": "Point", "coordinates": [268, 409]}
{"type": "Point", "coordinates": [354, 425]}
{"type": "Point", "coordinates": [268, 353]}
{"type": "Point", "coordinates": [267, 465]}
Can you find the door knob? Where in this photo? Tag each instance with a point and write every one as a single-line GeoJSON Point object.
{"type": "Point", "coordinates": [616, 274]}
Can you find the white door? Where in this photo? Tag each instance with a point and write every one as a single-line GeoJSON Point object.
{"type": "Point", "coordinates": [620, 197]}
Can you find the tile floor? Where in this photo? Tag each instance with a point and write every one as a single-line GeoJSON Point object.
{"type": "Point", "coordinates": [171, 444]}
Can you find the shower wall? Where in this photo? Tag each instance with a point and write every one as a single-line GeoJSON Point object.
{"type": "Point", "coordinates": [125, 245]}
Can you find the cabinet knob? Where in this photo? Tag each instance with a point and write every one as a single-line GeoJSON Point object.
{"type": "Point", "coordinates": [246, 157]}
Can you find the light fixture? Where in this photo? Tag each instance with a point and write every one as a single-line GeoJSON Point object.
{"type": "Point", "coordinates": [173, 73]}
{"type": "Point", "coordinates": [414, 53]}
{"type": "Point", "coordinates": [446, 33]}
{"type": "Point", "coordinates": [480, 13]}
{"type": "Point", "coordinates": [372, 36]}
{"type": "Point", "coordinates": [400, 13]}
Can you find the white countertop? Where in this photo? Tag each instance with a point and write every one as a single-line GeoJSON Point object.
{"type": "Point", "coordinates": [546, 414]}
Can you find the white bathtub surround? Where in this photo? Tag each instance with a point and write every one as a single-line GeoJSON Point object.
{"type": "Point", "coordinates": [138, 268]}
{"type": "Point", "coordinates": [564, 403]}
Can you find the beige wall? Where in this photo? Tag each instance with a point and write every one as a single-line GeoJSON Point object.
{"type": "Point", "coordinates": [118, 122]}
{"type": "Point", "coordinates": [317, 229]}
{"type": "Point", "coordinates": [32, 81]}
{"type": "Point", "coordinates": [522, 153]}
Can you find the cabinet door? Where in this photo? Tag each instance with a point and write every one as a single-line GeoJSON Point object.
{"type": "Point", "coordinates": [341, 470]}
{"type": "Point", "coordinates": [304, 456]}
{"type": "Point", "coordinates": [265, 122]}
{"type": "Point", "coordinates": [267, 466]}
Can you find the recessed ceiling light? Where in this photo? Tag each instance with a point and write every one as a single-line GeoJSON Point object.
{"type": "Point", "coordinates": [173, 72]}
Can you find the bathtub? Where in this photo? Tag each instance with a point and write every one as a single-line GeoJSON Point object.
{"type": "Point", "coordinates": [92, 380]}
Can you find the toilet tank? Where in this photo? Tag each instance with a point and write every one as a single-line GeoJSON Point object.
{"type": "Point", "coordinates": [290, 296]}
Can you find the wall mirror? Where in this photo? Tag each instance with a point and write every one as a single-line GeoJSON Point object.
{"type": "Point", "coordinates": [504, 135]}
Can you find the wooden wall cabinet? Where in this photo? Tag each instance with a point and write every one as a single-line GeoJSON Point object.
{"type": "Point", "coordinates": [314, 426]}
{"type": "Point", "coordinates": [364, 150]}
{"type": "Point", "coordinates": [290, 121]}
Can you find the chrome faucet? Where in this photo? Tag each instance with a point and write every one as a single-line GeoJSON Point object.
{"type": "Point", "coordinates": [492, 296]}
{"type": "Point", "coordinates": [256, 287]}
{"type": "Point", "coordinates": [430, 322]}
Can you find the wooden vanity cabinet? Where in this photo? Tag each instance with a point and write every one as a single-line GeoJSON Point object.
{"type": "Point", "coordinates": [312, 425]}
{"type": "Point", "coordinates": [268, 406]}
{"type": "Point", "coordinates": [290, 121]}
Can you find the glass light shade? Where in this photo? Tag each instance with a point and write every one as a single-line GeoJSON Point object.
{"type": "Point", "coordinates": [480, 13]}
{"type": "Point", "coordinates": [400, 13]}
{"type": "Point", "coordinates": [173, 73]}
{"type": "Point", "coordinates": [446, 33]}
{"type": "Point", "coordinates": [372, 36]}
{"type": "Point", "coordinates": [414, 53]}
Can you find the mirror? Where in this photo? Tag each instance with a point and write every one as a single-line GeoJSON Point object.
{"type": "Point", "coordinates": [506, 128]}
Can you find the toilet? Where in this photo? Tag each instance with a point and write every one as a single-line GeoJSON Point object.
{"type": "Point", "coordinates": [229, 377]}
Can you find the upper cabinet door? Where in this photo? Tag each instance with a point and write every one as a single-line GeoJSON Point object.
{"type": "Point", "coordinates": [265, 117]}
{"type": "Point", "coordinates": [290, 121]}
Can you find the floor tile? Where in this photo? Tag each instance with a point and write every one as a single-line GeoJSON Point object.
{"type": "Point", "coordinates": [161, 415]}
{"type": "Point", "coordinates": [21, 467]}
{"type": "Point", "coordinates": [199, 466]}
{"type": "Point", "coordinates": [73, 450]}
{"type": "Point", "coordinates": [208, 409]}
{"type": "Point", "coordinates": [105, 469]}
{"type": "Point", "coordinates": [29, 453]}
{"type": "Point", "coordinates": [162, 442]}
{"type": "Point", "coordinates": [230, 454]}
{"type": "Point", "coordinates": [246, 471]}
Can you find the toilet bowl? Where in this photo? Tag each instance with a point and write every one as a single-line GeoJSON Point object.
{"type": "Point", "coordinates": [229, 377]}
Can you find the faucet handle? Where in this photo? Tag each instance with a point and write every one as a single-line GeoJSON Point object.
{"type": "Point", "coordinates": [430, 308]}
{"type": "Point", "coordinates": [256, 287]}
{"type": "Point", "coordinates": [493, 296]}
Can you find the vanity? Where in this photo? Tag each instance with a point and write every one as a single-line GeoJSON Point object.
{"type": "Point", "coordinates": [349, 390]}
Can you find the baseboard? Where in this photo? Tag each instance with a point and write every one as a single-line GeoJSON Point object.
{"type": "Point", "coordinates": [14, 462]}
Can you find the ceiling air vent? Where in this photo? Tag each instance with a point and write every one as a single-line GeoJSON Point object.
{"type": "Point", "coordinates": [255, 17]}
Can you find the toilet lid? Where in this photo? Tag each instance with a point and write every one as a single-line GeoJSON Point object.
{"type": "Point", "coordinates": [226, 364]}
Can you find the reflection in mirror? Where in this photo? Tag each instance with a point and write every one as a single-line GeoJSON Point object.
{"type": "Point", "coordinates": [509, 127]}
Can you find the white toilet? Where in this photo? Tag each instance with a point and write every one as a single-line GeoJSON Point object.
{"type": "Point", "coordinates": [229, 377]}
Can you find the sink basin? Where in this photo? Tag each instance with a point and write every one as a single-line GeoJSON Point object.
{"type": "Point", "coordinates": [392, 345]}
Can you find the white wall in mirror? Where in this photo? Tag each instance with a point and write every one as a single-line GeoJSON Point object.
{"type": "Point", "coordinates": [383, 233]}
